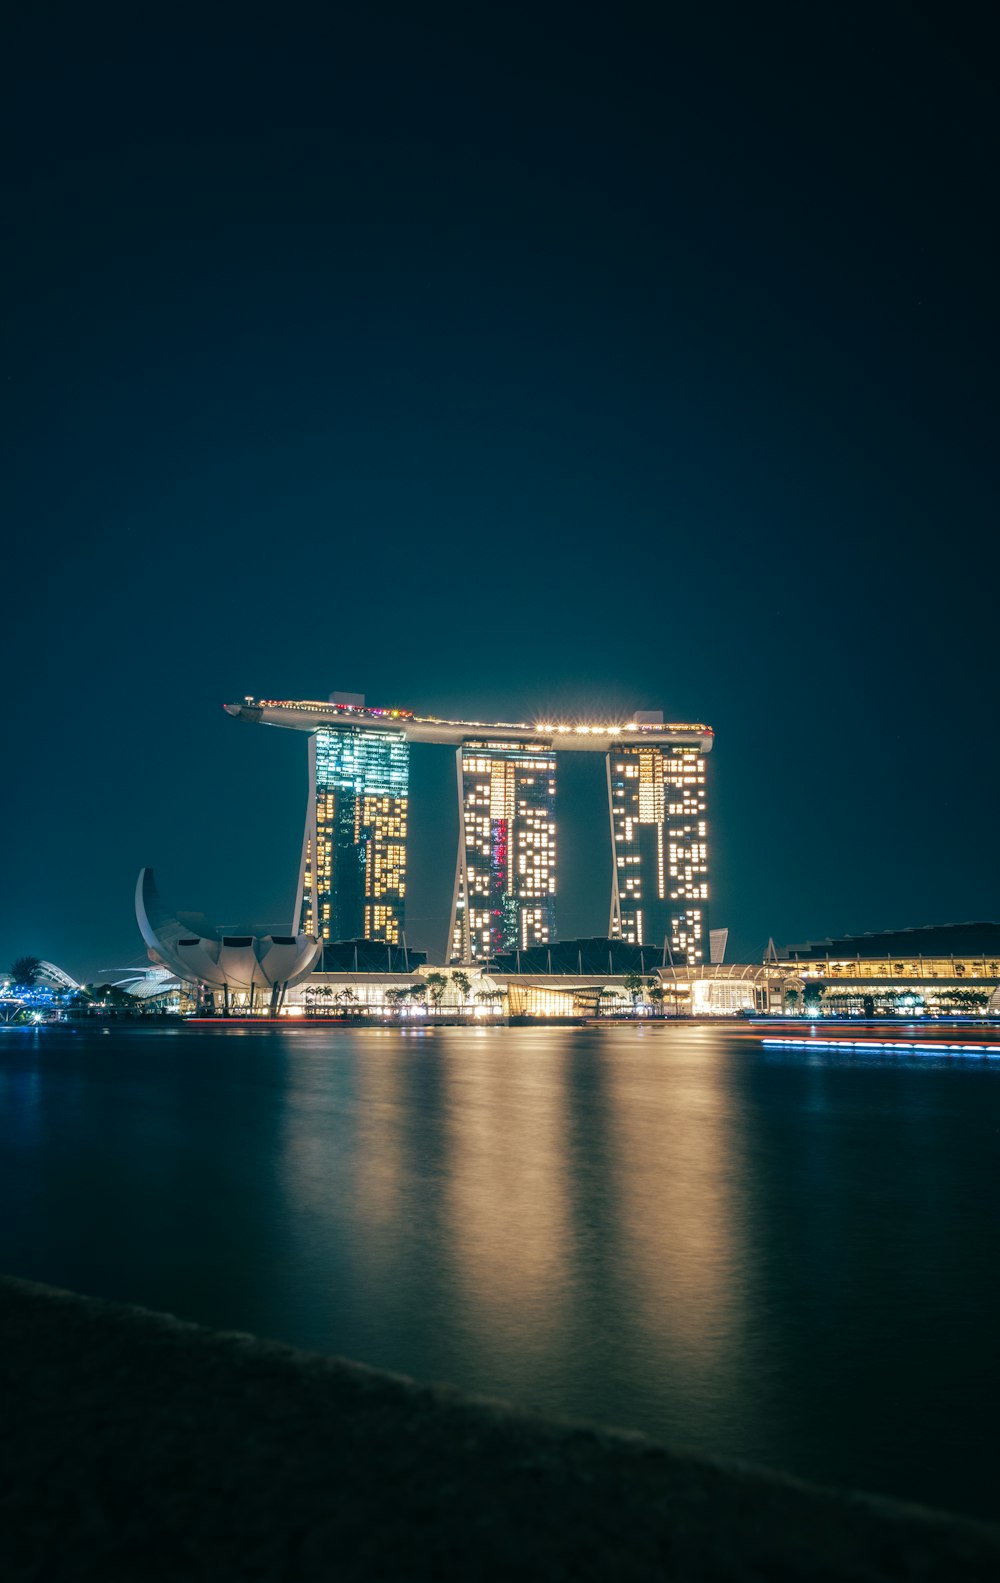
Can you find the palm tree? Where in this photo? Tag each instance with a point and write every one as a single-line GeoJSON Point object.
{"type": "Point", "coordinates": [437, 983]}
{"type": "Point", "coordinates": [463, 984]}
{"type": "Point", "coordinates": [114, 995]}
{"type": "Point", "coordinates": [24, 970]}
{"type": "Point", "coordinates": [965, 998]}
{"type": "Point", "coordinates": [109, 997]}
{"type": "Point", "coordinates": [633, 983]}
{"type": "Point", "coordinates": [844, 1001]}
{"type": "Point", "coordinates": [654, 989]}
{"type": "Point", "coordinates": [812, 997]}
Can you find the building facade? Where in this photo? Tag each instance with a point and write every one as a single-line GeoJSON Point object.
{"type": "Point", "coordinates": [251, 970]}
{"type": "Point", "coordinates": [352, 881]}
{"type": "Point", "coordinates": [505, 881]}
{"type": "Point", "coordinates": [951, 950]}
{"type": "Point", "coordinates": [659, 838]}
{"type": "Point", "coordinates": [353, 872]}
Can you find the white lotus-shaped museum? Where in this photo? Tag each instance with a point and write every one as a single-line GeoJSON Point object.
{"type": "Point", "coordinates": [198, 953]}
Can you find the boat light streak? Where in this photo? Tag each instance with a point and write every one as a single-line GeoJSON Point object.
{"type": "Point", "coordinates": [926, 1047]}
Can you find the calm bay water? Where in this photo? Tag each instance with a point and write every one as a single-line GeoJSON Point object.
{"type": "Point", "coordinates": [793, 1259]}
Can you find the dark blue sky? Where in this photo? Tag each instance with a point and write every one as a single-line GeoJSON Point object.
{"type": "Point", "coordinates": [526, 361]}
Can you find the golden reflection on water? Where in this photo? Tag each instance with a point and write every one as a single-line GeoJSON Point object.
{"type": "Point", "coordinates": [555, 1204]}
{"type": "Point", "coordinates": [379, 1162]}
{"type": "Point", "coordinates": [352, 1167]}
{"type": "Point", "coordinates": [680, 1207]}
{"type": "Point", "coordinates": [507, 1208]}
{"type": "Point", "coordinates": [595, 1214]}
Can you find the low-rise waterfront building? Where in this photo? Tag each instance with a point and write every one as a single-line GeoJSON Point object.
{"type": "Point", "coordinates": [647, 977]}
{"type": "Point", "coordinates": [936, 969]}
{"type": "Point", "coordinates": [955, 950]}
{"type": "Point", "coordinates": [596, 954]}
{"type": "Point", "coordinates": [378, 957]}
{"type": "Point", "coordinates": [427, 993]}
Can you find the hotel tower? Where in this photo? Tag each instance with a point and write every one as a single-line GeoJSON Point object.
{"type": "Point", "coordinates": [352, 879]}
{"type": "Point", "coordinates": [505, 883]}
{"type": "Point", "coordinates": [659, 875]}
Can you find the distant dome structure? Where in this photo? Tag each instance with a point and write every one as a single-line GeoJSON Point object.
{"type": "Point", "coordinates": [146, 983]}
{"type": "Point", "coordinates": [240, 965]}
{"type": "Point", "coordinates": [54, 977]}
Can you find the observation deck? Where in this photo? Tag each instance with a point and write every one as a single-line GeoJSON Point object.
{"type": "Point", "coordinates": [566, 736]}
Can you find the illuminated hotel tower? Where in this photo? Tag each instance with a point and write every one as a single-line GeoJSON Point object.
{"type": "Point", "coordinates": [506, 878]}
{"type": "Point", "coordinates": [659, 887]}
{"type": "Point", "coordinates": [352, 883]}
{"type": "Point", "coordinates": [353, 876]}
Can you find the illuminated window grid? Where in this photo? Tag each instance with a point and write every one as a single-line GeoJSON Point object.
{"type": "Point", "coordinates": [506, 883]}
{"type": "Point", "coordinates": [659, 831]}
{"type": "Point", "coordinates": [354, 878]}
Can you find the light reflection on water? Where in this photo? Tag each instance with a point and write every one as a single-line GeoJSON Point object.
{"type": "Point", "coordinates": [783, 1256]}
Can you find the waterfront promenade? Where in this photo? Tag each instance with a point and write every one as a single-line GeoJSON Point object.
{"type": "Point", "coordinates": [135, 1446]}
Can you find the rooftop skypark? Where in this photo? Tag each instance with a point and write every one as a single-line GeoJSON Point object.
{"type": "Point", "coordinates": [352, 876]}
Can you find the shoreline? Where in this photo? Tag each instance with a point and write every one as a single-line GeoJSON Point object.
{"type": "Point", "coordinates": [139, 1445]}
{"type": "Point", "coordinates": [800, 1031]}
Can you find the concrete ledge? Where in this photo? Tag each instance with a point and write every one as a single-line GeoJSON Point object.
{"type": "Point", "coordinates": [137, 1447]}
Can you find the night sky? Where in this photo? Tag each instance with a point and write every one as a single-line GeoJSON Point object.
{"type": "Point", "coordinates": [499, 361]}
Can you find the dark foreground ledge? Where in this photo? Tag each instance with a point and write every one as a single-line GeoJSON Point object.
{"type": "Point", "coordinates": [136, 1447]}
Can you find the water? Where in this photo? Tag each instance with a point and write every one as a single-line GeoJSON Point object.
{"type": "Point", "coordinates": [785, 1257]}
